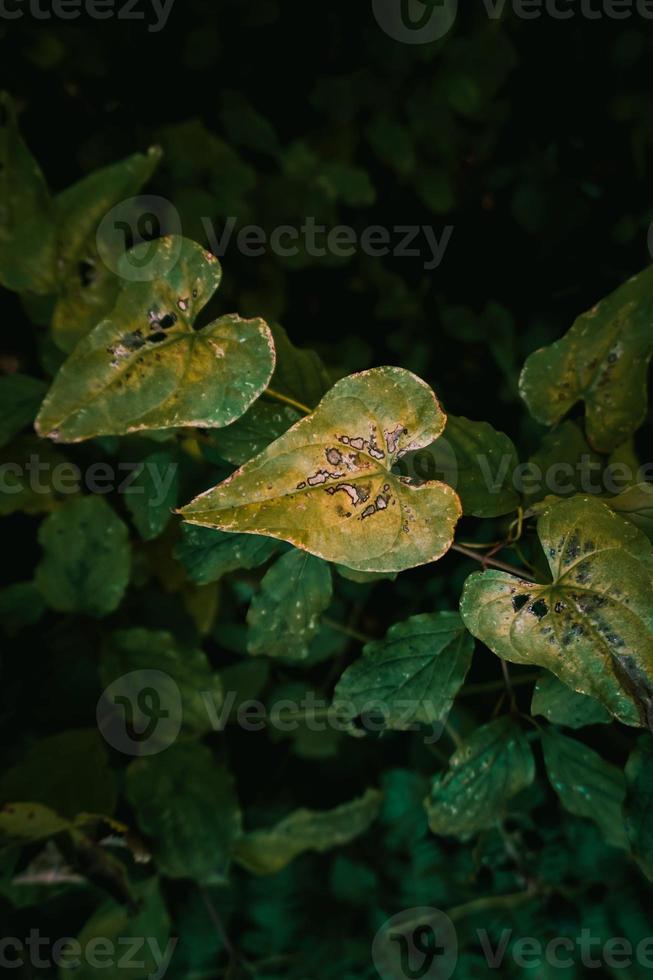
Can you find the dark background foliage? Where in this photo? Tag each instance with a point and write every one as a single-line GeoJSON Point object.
{"type": "Point", "coordinates": [533, 140]}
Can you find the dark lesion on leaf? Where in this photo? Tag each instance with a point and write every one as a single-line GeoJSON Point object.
{"type": "Point", "coordinates": [539, 608]}
{"type": "Point", "coordinates": [519, 601]}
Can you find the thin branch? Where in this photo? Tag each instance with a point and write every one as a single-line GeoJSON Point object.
{"type": "Point", "coordinates": [347, 630]}
{"type": "Point", "coordinates": [494, 562]}
{"type": "Point", "coordinates": [287, 400]}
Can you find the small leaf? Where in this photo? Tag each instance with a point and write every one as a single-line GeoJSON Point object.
{"type": "Point", "coordinates": [328, 485]}
{"type": "Point", "coordinates": [136, 650]}
{"type": "Point", "coordinates": [146, 367]}
{"type": "Point", "coordinates": [31, 473]}
{"type": "Point", "coordinates": [30, 822]}
{"type": "Point", "coordinates": [21, 605]}
{"type": "Point", "coordinates": [262, 423]}
{"type": "Point", "coordinates": [285, 615]}
{"type": "Point", "coordinates": [636, 505]}
{"type": "Point", "coordinates": [639, 804]}
{"type": "Point", "coordinates": [477, 461]}
{"type": "Point", "coordinates": [266, 852]}
{"type": "Point", "coordinates": [586, 785]}
{"type": "Point", "coordinates": [207, 555]}
{"type": "Point", "coordinates": [489, 768]}
{"type": "Point", "coordinates": [138, 939]}
{"type": "Point", "coordinates": [413, 674]}
{"type": "Point", "coordinates": [68, 772]}
{"type": "Point", "coordinates": [20, 397]}
{"type": "Point", "coordinates": [299, 373]}
{"type": "Point", "coordinates": [561, 465]}
{"type": "Point", "coordinates": [603, 361]}
{"type": "Point", "coordinates": [562, 706]}
{"type": "Point", "coordinates": [186, 803]}
{"type": "Point", "coordinates": [86, 562]}
{"type": "Point", "coordinates": [152, 495]}
{"type": "Point", "coordinates": [26, 212]}
{"type": "Point", "coordinates": [592, 625]}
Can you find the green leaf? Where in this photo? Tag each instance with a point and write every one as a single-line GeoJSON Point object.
{"type": "Point", "coordinates": [26, 212]}
{"type": "Point", "coordinates": [636, 505]}
{"type": "Point", "coordinates": [285, 615]}
{"type": "Point", "coordinates": [87, 285]}
{"type": "Point", "coordinates": [412, 675]}
{"type": "Point", "coordinates": [490, 767]}
{"type": "Point", "coordinates": [86, 562]}
{"type": "Point", "coordinates": [562, 463]}
{"type": "Point", "coordinates": [328, 485]}
{"type": "Point", "coordinates": [603, 361]}
{"type": "Point", "coordinates": [136, 650]}
{"type": "Point", "coordinates": [21, 605]}
{"type": "Point", "coordinates": [638, 805]}
{"type": "Point", "coordinates": [299, 373]}
{"type": "Point", "coordinates": [562, 706]}
{"type": "Point", "coordinates": [68, 772]}
{"type": "Point", "coordinates": [262, 423]}
{"type": "Point", "coordinates": [592, 625]}
{"type": "Point", "coordinates": [31, 473]}
{"type": "Point", "coordinates": [477, 461]}
{"type": "Point", "coordinates": [266, 852]}
{"type": "Point", "coordinates": [146, 367]}
{"type": "Point", "coordinates": [139, 940]}
{"type": "Point", "coordinates": [152, 495]}
{"type": "Point", "coordinates": [186, 803]}
{"type": "Point", "coordinates": [586, 785]}
{"type": "Point", "coordinates": [207, 555]}
{"type": "Point", "coordinates": [20, 397]}
{"type": "Point", "coordinates": [29, 822]}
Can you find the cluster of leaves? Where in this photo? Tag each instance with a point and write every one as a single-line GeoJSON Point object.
{"type": "Point", "coordinates": [310, 490]}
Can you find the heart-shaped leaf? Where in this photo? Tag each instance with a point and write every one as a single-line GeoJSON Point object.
{"type": "Point", "coordinates": [592, 625]}
{"type": "Point", "coordinates": [328, 484]}
{"type": "Point", "coordinates": [603, 361]}
{"type": "Point", "coordinates": [145, 367]}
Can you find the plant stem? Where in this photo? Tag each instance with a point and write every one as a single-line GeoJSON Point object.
{"type": "Point", "coordinates": [486, 560]}
{"type": "Point", "coordinates": [287, 400]}
{"type": "Point", "coordinates": [490, 686]}
{"type": "Point", "coordinates": [347, 630]}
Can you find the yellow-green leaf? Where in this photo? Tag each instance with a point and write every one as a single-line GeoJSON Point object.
{"type": "Point", "coordinates": [145, 367]}
{"type": "Point", "coordinates": [328, 485]}
{"type": "Point", "coordinates": [603, 361]}
{"type": "Point", "coordinates": [592, 625]}
{"type": "Point", "coordinates": [266, 852]}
